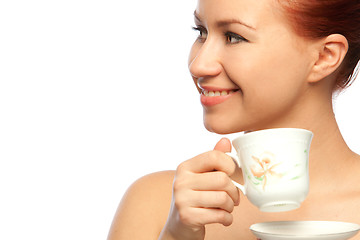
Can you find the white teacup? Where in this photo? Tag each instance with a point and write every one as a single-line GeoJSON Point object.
{"type": "Point", "coordinates": [275, 167]}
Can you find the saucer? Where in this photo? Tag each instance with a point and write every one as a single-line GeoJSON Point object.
{"type": "Point", "coordinates": [309, 230]}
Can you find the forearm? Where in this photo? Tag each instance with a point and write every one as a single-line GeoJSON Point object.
{"type": "Point", "coordinates": [185, 234]}
{"type": "Point", "coordinates": [165, 235]}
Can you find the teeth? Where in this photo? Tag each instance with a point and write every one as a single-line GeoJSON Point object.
{"type": "Point", "coordinates": [217, 93]}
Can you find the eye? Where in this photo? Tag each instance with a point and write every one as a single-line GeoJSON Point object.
{"type": "Point", "coordinates": [202, 33]}
{"type": "Point", "coordinates": [233, 38]}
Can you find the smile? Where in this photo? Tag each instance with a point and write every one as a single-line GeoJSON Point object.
{"type": "Point", "coordinates": [212, 98]}
{"type": "Point", "coordinates": [217, 93]}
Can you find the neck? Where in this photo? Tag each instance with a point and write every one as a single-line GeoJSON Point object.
{"type": "Point", "coordinates": [329, 151]}
{"type": "Point", "coordinates": [328, 145]}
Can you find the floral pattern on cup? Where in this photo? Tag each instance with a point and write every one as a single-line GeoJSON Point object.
{"type": "Point", "coordinates": [264, 168]}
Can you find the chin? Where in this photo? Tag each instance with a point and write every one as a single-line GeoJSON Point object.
{"type": "Point", "coordinates": [221, 127]}
{"type": "Point", "coordinates": [228, 125]}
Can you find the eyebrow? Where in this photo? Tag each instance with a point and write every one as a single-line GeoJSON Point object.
{"type": "Point", "coordinates": [226, 22]}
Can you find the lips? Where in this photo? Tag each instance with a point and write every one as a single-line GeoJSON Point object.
{"type": "Point", "coordinates": [210, 97]}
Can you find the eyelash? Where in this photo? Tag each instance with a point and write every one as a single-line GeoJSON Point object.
{"type": "Point", "coordinates": [237, 37]}
{"type": "Point", "coordinates": [228, 35]}
{"type": "Point", "coordinates": [201, 31]}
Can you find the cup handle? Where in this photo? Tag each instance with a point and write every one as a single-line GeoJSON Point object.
{"type": "Point", "coordinates": [236, 159]}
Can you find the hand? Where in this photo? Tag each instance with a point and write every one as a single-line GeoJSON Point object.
{"type": "Point", "coordinates": [203, 193]}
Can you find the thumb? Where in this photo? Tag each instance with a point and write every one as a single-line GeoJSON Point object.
{"type": "Point", "coordinates": [224, 145]}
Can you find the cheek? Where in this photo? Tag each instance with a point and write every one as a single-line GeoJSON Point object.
{"type": "Point", "coordinates": [270, 82]}
{"type": "Point", "coordinates": [267, 70]}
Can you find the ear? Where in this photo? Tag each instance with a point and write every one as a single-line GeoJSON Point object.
{"type": "Point", "coordinates": [331, 52]}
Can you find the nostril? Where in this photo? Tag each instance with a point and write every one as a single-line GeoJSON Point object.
{"type": "Point", "coordinates": [200, 81]}
{"type": "Point", "coordinates": [205, 65]}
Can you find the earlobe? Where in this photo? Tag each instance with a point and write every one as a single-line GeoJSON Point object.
{"type": "Point", "coordinates": [331, 53]}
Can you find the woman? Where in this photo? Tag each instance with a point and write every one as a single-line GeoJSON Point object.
{"type": "Point", "coordinates": [257, 65]}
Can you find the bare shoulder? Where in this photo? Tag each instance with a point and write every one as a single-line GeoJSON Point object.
{"type": "Point", "coordinates": [144, 208]}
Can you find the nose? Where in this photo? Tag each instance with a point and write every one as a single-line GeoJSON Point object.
{"type": "Point", "coordinates": [205, 61]}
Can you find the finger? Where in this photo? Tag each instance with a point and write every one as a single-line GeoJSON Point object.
{"type": "Point", "coordinates": [215, 181]}
{"type": "Point", "coordinates": [212, 199]}
{"type": "Point", "coordinates": [224, 145]}
{"type": "Point", "coordinates": [203, 216]}
{"type": "Point", "coordinates": [209, 161]}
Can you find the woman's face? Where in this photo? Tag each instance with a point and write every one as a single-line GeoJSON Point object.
{"type": "Point", "coordinates": [247, 53]}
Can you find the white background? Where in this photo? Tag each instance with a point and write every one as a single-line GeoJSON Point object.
{"type": "Point", "coordinates": [93, 95]}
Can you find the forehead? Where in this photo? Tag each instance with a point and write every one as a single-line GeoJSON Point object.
{"type": "Point", "coordinates": [257, 13]}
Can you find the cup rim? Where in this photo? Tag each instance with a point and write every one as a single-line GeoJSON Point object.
{"type": "Point", "coordinates": [271, 130]}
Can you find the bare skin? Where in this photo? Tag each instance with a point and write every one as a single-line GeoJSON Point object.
{"type": "Point", "coordinates": [334, 195]}
{"type": "Point", "coordinates": [277, 79]}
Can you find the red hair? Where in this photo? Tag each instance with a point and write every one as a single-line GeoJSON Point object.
{"type": "Point", "coordinates": [320, 18]}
